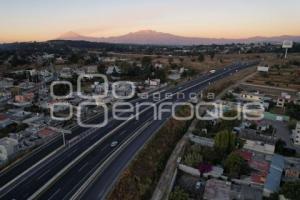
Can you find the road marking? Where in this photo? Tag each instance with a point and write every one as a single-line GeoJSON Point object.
{"type": "Point", "coordinates": [122, 132]}
{"type": "Point", "coordinates": [55, 193]}
{"type": "Point", "coordinates": [43, 174]}
{"type": "Point", "coordinates": [72, 152]}
{"type": "Point", "coordinates": [81, 168]}
{"type": "Point", "coordinates": [25, 172]}
{"type": "Point", "coordinates": [109, 156]}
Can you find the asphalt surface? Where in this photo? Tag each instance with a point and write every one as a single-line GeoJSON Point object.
{"type": "Point", "coordinates": [67, 185]}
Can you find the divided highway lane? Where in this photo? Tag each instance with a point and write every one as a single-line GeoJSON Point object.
{"type": "Point", "coordinates": [37, 155]}
{"type": "Point", "coordinates": [102, 184]}
{"type": "Point", "coordinates": [70, 182]}
{"type": "Point", "coordinates": [15, 172]}
{"type": "Point", "coordinates": [41, 174]}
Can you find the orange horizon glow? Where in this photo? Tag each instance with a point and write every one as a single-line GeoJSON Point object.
{"type": "Point", "coordinates": [234, 19]}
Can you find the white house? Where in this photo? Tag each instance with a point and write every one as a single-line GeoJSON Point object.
{"type": "Point", "coordinates": [280, 102]}
{"type": "Point", "coordinates": [153, 82]}
{"type": "Point", "coordinates": [158, 65]}
{"type": "Point", "coordinates": [92, 69]}
{"type": "Point", "coordinates": [259, 146]}
{"type": "Point", "coordinates": [6, 83]}
{"type": "Point", "coordinates": [111, 69]}
{"type": "Point", "coordinates": [296, 134]}
{"type": "Point", "coordinates": [252, 97]}
{"type": "Point", "coordinates": [66, 72]}
{"type": "Point", "coordinates": [263, 69]}
{"type": "Point", "coordinates": [8, 148]}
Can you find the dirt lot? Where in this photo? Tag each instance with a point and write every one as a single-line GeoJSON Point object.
{"type": "Point", "coordinates": [219, 60]}
{"type": "Point", "coordinates": [284, 74]}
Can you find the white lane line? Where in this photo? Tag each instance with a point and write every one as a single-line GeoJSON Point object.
{"type": "Point", "coordinates": [105, 160]}
{"type": "Point", "coordinates": [81, 168]}
{"type": "Point", "coordinates": [72, 152]}
{"type": "Point", "coordinates": [55, 193]}
{"type": "Point", "coordinates": [122, 132]}
{"type": "Point", "coordinates": [43, 174]}
{"type": "Point", "coordinates": [8, 185]}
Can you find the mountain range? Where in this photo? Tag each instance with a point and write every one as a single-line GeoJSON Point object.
{"type": "Point", "coordinates": [159, 38]}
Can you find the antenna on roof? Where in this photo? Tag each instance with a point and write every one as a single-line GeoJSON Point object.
{"type": "Point", "coordinates": [287, 44]}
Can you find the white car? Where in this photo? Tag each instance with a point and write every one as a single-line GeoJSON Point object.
{"type": "Point", "coordinates": [114, 143]}
{"type": "Point", "coordinates": [198, 185]}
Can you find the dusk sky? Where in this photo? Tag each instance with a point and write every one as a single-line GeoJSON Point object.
{"type": "Point", "coordinates": [28, 20]}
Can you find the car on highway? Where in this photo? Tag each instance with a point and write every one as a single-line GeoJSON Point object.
{"type": "Point", "coordinates": [114, 143]}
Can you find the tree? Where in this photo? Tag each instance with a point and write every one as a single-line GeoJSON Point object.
{"type": "Point", "coordinates": [230, 124]}
{"type": "Point", "coordinates": [178, 194]}
{"type": "Point", "coordinates": [201, 57]}
{"type": "Point", "coordinates": [225, 141]}
{"type": "Point", "coordinates": [212, 55]}
{"type": "Point", "coordinates": [293, 110]}
{"type": "Point", "coordinates": [101, 68]}
{"type": "Point", "coordinates": [74, 58]}
{"type": "Point", "coordinates": [291, 190]}
{"type": "Point", "coordinates": [235, 165]}
{"type": "Point", "coordinates": [146, 61]}
{"type": "Point", "coordinates": [281, 148]}
{"type": "Point", "coordinates": [161, 74]}
{"type": "Point", "coordinates": [170, 60]}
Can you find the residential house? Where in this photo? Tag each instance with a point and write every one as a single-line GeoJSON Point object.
{"type": "Point", "coordinates": [92, 69]}
{"type": "Point", "coordinates": [158, 66]}
{"type": "Point", "coordinates": [66, 72]}
{"type": "Point", "coordinates": [59, 61]}
{"type": "Point", "coordinates": [256, 97]}
{"type": "Point", "coordinates": [264, 69]}
{"type": "Point", "coordinates": [4, 121]}
{"type": "Point", "coordinates": [5, 96]}
{"type": "Point", "coordinates": [8, 149]}
{"type": "Point", "coordinates": [152, 82]}
{"type": "Point", "coordinates": [6, 83]}
{"type": "Point", "coordinates": [296, 134]}
{"type": "Point", "coordinates": [28, 97]}
{"type": "Point", "coordinates": [26, 85]}
{"type": "Point", "coordinates": [280, 102]}
{"type": "Point", "coordinates": [244, 192]}
{"type": "Point", "coordinates": [46, 133]}
{"type": "Point", "coordinates": [18, 114]}
{"type": "Point", "coordinates": [111, 70]}
{"type": "Point", "coordinates": [273, 181]}
{"type": "Point", "coordinates": [217, 190]}
{"type": "Point", "coordinates": [259, 146]}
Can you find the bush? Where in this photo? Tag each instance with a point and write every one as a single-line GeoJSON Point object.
{"type": "Point", "coordinates": [236, 166]}
{"type": "Point", "coordinates": [193, 157]}
{"type": "Point", "coordinates": [291, 190]}
{"type": "Point", "coordinates": [178, 194]}
{"type": "Point", "coordinates": [225, 142]}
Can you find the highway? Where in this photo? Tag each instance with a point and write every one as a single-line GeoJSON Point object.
{"type": "Point", "coordinates": [72, 179]}
{"type": "Point", "coordinates": [102, 183]}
